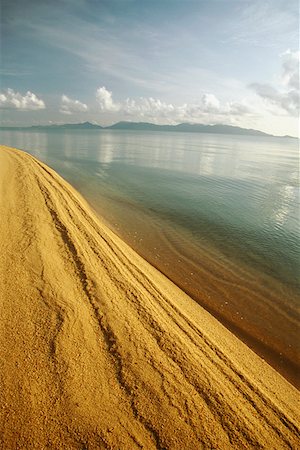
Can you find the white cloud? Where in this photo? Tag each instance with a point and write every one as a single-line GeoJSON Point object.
{"type": "Point", "coordinates": [10, 99]}
{"type": "Point", "coordinates": [287, 101]}
{"type": "Point", "coordinates": [69, 106]}
{"type": "Point", "coordinates": [240, 108]}
{"type": "Point", "coordinates": [150, 107]}
{"type": "Point", "coordinates": [290, 69]}
{"type": "Point", "coordinates": [287, 97]}
{"type": "Point", "coordinates": [210, 103]}
{"type": "Point", "coordinates": [104, 98]}
{"type": "Point", "coordinates": [207, 110]}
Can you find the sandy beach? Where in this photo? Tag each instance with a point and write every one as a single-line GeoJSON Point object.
{"type": "Point", "coordinates": [99, 350]}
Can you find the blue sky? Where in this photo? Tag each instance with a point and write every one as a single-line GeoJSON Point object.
{"type": "Point", "coordinates": [167, 61]}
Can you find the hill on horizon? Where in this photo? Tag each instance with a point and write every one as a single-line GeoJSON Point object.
{"type": "Point", "coordinates": [146, 126]}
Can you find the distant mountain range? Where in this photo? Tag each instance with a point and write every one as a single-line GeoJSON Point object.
{"type": "Point", "coordinates": [186, 128]}
{"type": "Point", "coordinates": [144, 126]}
{"type": "Point", "coordinates": [68, 126]}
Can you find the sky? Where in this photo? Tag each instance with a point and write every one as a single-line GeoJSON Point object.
{"type": "Point", "coordinates": [234, 62]}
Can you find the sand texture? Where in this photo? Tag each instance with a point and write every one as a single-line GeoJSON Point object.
{"type": "Point", "coordinates": [100, 350]}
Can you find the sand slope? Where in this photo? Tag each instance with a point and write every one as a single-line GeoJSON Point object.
{"type": "Point", "coordinates": [99, 350]}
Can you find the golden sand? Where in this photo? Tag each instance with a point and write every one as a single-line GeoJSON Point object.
{"type": "Point", "coordinates": [100, 350]}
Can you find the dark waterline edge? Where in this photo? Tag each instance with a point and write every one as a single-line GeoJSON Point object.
{"type": "Point", "coordinates": [288, 368]}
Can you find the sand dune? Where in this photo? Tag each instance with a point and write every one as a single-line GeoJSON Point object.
{"type": "Point", "coordinates": [100, 350]}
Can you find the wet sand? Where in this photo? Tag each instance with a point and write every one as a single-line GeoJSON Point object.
{"type": "Point", "coordinates": [101, 350]}
{"type": "Point", "coordinates": [260, 310]}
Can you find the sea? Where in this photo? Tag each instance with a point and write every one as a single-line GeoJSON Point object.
{"type": "Point", "coordinates": [217, 214]}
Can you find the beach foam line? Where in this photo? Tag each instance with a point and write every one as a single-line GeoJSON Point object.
{"type": "Point", "coordinates": [100, 350]}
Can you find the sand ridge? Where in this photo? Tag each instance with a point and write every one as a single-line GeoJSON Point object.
{"type": "Point", "coordinates": [100, 350]}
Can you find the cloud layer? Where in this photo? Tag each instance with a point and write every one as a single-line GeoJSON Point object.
{"type": "Point", "coordinates": [290, 69]}
{"type": "Point", "coordinates": [208, 109]}
{"type": "Point", "coordinates": [69, 106]}
{"type": "Point", "coordinates": [10, 99]}
{"type": "Point", "coordinates": [287, 97]}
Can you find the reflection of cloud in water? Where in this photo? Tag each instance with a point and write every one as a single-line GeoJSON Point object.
{"type": "Point", "coordinates": [101, 174]}
{"type": "Point", "coordinates": [206, 167]}
{"type": "Point", "coordinates": [286, 196]}
{"type": "Point", "coordinates": [105, 155]}
{"type": "Point", "coordinates": [37, 143]}
{"type": "Point", "coordinates": [105, 150]}
{"type": "Point", "coordinates": [68, 148]}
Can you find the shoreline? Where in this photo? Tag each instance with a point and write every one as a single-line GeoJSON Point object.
{"type": "Point", "coordinates": [263, 321]}
{"type": "Point", "coordinates": [100, 349]}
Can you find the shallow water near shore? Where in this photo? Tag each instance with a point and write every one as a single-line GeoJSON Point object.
{"type": "Point", "coordinates": [217, 214]}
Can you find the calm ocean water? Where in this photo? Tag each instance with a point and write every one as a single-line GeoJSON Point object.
{"type": "Point", "coordinates": [217, 214]}
{"type": "Point", "coordinates": [238, 193]}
